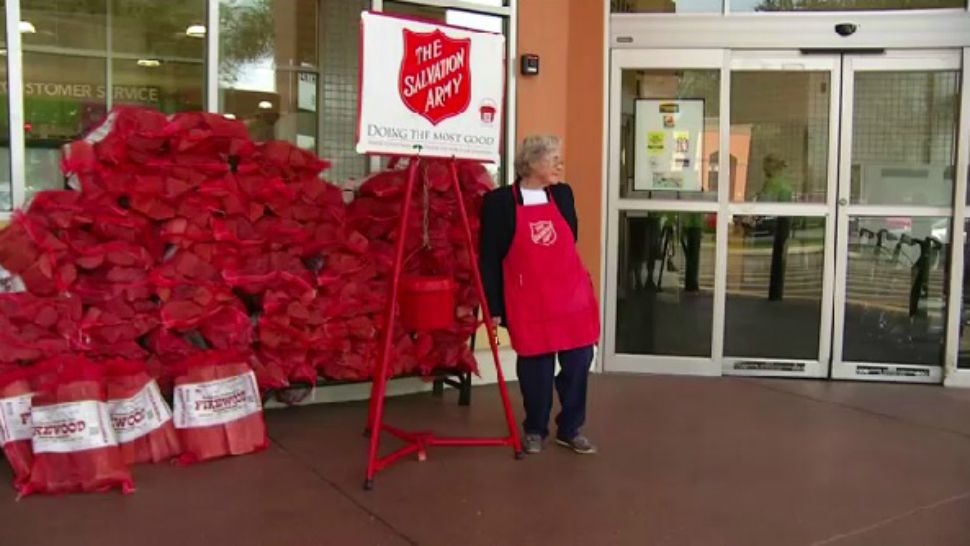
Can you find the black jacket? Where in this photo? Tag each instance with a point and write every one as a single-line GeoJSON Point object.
{"type": "Point", "coordinates": [498, 229]}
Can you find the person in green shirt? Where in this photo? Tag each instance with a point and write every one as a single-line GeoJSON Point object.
{"type": "Point", "coordinates": [777, 187]}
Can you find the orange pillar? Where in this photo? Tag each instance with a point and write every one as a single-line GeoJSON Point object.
{"type": "Point", "coordinates": [566, 99]}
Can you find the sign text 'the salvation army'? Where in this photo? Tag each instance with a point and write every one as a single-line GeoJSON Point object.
{"type": "Point", "coordinates": [444, 75]}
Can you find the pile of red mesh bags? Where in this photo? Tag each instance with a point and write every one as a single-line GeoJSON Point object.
{"type": "Point", "coordinates": [435, 245]}
{"type": "Point", "coordinates": [184, 240]}
{"type": "Point", "coordinates": [284, 334]}
{"type": "Point", "coordinates": [33, 252]}
{"type": "Point", "coordinates": [34, 328]}
{"type": "Point", "coordinates": [181, 224]}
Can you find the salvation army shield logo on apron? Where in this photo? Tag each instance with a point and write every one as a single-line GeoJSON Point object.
{"type": "Point", "coordinates": [543, 233]}
{"type": "Point", "coordinates": [436, 79]}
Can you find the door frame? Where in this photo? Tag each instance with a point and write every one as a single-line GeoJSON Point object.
{"type": "Point", "coordinates": [794, 61]}
{"type": "Point", "coordinates": [890, 61]}
{"type": "Point", "coordinates": [829, 361]}
{"type": "Point", "coordinates": [725, 61]}
{"type": "Point", "coordinates": [717, 34]}
{"type": "Point", "coordinates": [955, 376]}
{"type": "Point", "coordinates": [620, 60]}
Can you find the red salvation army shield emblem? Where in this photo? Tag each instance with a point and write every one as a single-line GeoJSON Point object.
{"type": "Point", "coordinates": [543, 233]}
{"type": "Point", "coordinates": [436, 78]}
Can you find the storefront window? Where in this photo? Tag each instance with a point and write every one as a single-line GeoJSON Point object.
{"type": "Point", "coordinates": [841, 5]}
{"type": "Point", "coordinates": [665, 6]}
{"type": "Point", "coordinates": [65, 85]}
{"type": "Point", "coordinates": [895, 296]}
{"type": "Point", "coordinates": [6, 196]}
{"type": "Point", "coordinates": [158, 54]}
{"type": "Point", "coordinates": [780, 136]}
{"type": "Point", "coordinates": [340, 70]}
{"type": "Point", "coordinates": [154, 56]}
{"type": "Point", "coordinates": [670, 135]}
{"type": "Point", "coordinates": [269, 66]}
{"type": "Point", "coordinates": [904, 137]}
{"type": "Point", "coordinates": [665, 284]}
{"type": "Point", "coordinates": [774, 287]}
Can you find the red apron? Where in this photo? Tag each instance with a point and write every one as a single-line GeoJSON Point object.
{"type": "Point", "coordinates": [549, 301]}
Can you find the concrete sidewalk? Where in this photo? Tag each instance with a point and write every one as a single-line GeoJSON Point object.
{"type": "Point", "coordinates": [684, 461]}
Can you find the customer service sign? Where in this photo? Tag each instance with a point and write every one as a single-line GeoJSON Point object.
{"type": "Point", "coordinates": [430, 89]}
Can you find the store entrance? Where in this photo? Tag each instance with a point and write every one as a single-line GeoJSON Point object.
{"type": "Point", "coordinates": [822, 252]}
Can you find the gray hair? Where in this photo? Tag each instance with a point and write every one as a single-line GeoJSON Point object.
{"type": "Point", "coordinates": [534, 148]}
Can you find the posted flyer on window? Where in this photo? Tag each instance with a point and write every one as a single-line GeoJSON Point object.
{"type": "Point", "coordinates": [669, 145]}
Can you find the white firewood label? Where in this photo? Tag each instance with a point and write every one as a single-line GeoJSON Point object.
{"type": "Point", "coordinates": [216, 402]}
{"type": "Point", "coordinates": [139, 415]}
{"type": "Point", "coordinates": [71, 427]}
{"type": "Point", "coordinates": [15, 419]}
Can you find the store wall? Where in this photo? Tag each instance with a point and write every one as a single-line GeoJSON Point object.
{"type": "Point", "coordinates": [566, 99]}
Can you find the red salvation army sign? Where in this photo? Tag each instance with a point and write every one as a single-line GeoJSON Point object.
{"type": "Point", "coordinates": [435, 80]}
{"type": "Point", "coordinates": [430, 88]}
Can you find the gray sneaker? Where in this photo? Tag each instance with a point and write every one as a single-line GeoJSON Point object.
{"type": "Point", "coordinates": [579, 443]}
{"type": "Point", "coordinates": [532, 444]}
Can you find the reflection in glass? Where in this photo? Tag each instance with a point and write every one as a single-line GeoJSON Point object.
{"type": "Point", "coordinates": [65, 94]}
{"type": "Point", "coordinates": [780, 136]}
{"type": "Point", "coordinates": [841, 5]}
{"type": "Point", "coordinates": [6, 197]}
{"type": "Point", "coordinates": [152, 58]}
{"type": "Point", "coordinates": [665, 289]}
{"type": "Point", "coordinates": [895, 306]}
{"type": "Point", "coordinates": [774, 287]}
{"type": "Point", "coordinates": [174, 29]}
{"type": "Point", "coordinates": [695, 86]}
{"type": "Point", "coordinates": [904, 137]}
{"type": "Point", "coordinates": [158, 61]}
{"type": "Point", "coordinates": [269, 67]}
{"type": "Point", "coordinates": [665, 6]}
{"type": "Point", "coordinates": [78, 26]}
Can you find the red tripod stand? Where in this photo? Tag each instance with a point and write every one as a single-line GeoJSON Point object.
{"type": "Point", "coordinates": [419, 442]}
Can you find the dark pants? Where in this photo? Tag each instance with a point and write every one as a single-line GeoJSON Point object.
{"type": "Point", "coordinates": [536, 378]}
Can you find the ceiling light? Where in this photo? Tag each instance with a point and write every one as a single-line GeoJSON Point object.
{"type": "Point", "coordinates": [229, 116]}
{"type": "Point", "coordinates": [26, 27]}
{"type": "Point", "coordinates": [265, 104]}
{"type": "Point", "coordinates": [195, 31]}
{"type": "Point", "coordinates": [149, 63]}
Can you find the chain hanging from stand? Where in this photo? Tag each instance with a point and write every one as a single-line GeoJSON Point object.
{"type": "Point", "coordinates": [425, 217]}
{"type": "Point", "coordinates": [426, 204]}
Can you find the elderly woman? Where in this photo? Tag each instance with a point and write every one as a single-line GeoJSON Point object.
{"type": "Point", "coordinates": [538, 288]}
